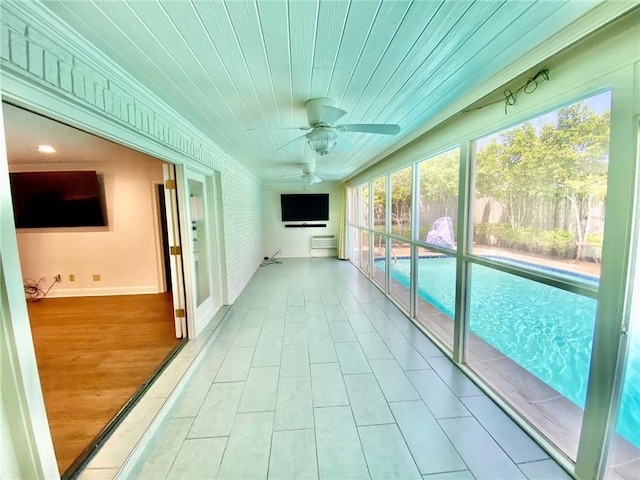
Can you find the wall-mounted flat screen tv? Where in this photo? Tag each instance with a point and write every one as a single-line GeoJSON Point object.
{"type": "Point", "coordinates": [57, 199]}
{"type": "Point", "coordinates": [303, 207]}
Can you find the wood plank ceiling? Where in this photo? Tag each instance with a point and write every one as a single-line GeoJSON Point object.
{"type": "Point", "coordinates": [242, 70]}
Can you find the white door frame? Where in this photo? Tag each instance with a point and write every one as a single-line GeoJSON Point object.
{"type": "Point", "coordinates": [198, 316]}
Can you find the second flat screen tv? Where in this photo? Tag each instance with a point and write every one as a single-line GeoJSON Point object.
{"type": "Point", "coordinates": [57, 199]}
{"type": "Point", "coordinates": [304, 207]}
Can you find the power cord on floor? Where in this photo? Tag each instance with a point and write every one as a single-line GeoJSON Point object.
{"type": "Point", "coordinates": [33, 291]}
{"type": "Point", "coordinates": [270, 261]}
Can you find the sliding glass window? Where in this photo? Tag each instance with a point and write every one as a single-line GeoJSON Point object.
{"type": "Point", "coordinates": [436, 270]}
{"type": "Point", "coordinates": [538, 218]}
{"type": "Point", "coordinates": [529, 277]}
{"type": "Point", "coordinates": [364, 218]}
{"type": "Point", "coordinates": [540, 190]}
{"type": "Point", "coordinates": [401, 182]}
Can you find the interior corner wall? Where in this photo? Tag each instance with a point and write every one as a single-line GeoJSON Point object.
{"type": "Point", "coordinates": [125, 253]}
{"type": "Point", "coordinates": [296, 242]}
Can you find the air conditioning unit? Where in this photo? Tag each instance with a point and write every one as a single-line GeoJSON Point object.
{"type": "Point", "coordinates": [324, 241]}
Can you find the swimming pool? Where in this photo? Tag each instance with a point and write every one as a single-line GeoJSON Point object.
{"type": "Point", "coordinates": [545, 330]}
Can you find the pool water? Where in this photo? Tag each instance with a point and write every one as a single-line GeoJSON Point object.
{"type": "Point", "coordinates": [545, 330]}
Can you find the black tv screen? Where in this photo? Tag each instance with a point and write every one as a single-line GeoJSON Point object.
{"type": "Point", "coordinates": [57, 199]}
{"type": "Point", "coordinates": [301, 207]}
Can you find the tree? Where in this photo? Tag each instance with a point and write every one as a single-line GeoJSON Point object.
{"type": "Point", "coordinates": [379, 203]}
{"type": "Point", "coordinates": [561, 159]}
{"type": "Point", "coordinates": [579, 143]}
{"type": "Point", "coordinates": [439, 181]}
{"type": "Point", "coordinates": [401, 186]}
{"type": "Point", "coordinates": [508, 169]}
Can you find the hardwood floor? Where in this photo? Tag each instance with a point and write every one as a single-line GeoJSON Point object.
{"type": "Point", "coordinates": [93, 353]}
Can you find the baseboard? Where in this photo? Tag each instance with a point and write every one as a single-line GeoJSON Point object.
{"type": "Point", "coordinates": [102, 292]}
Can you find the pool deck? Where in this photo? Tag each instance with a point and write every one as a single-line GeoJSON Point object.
{"type": "Point", "coordinates": [575, 266]}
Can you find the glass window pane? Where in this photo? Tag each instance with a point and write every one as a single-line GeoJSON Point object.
{"type": "Point", "coordinates": [435, 305]}
{"type": "Point", "coordinates": [380, 204]}
{"type": "Point", "coordinates": [365, 205]}
{"type": "Point", "coordinates": [354, 234]}
{"type": "Point", "coordinates": [400, 272]}
{"type": "Point", "coordinates": [540, 189]}
{"type": "Point", "coordinates": [625, 447]}
{"type": "Point", "coordinates": [364, 251]}
{"type": "Point", "coordinates": [439, 199]}
{"type": "Point", "coordinates": [401, 186]}
{"type": "Point", "coordinates": [354, 196]}
{"type": "Point", "coordinates": [199, 236]}
{"type": "Point", "coordinates": [532, 343]}
{"type": "Point", "coordinates": [379, 259]}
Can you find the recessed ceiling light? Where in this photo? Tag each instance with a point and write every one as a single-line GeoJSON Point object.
{"type": "Point", "coordinates": [46, 149]}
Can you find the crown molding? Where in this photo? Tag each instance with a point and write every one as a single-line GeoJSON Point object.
{"type": "Point", "coordinates": [48, 67]}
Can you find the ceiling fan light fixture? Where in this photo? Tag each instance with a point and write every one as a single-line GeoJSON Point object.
{"type": "Point", "coordinates": [310, 179]}
{"type": "Point", "coordinates": [322, 142]}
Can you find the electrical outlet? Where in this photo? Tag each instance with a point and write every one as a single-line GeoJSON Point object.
{"type": "Point", "coordinates": [96, 277]}
{"type": "Point", "coordinates": [72, 277]}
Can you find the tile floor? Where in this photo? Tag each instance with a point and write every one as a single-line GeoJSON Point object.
{"type": "Point", "coordinates": [313, 373]}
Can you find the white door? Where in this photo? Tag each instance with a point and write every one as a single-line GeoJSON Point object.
{"type": "Point", "coordinates": [173, 235]}
{"type": "Point", "coordinates": [203, 288]}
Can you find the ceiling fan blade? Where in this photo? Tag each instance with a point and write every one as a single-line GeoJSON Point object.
{"type": "Point", "coordinates": [344, 144]}
{"type": "Point", "coordinates": [331, 115]}
{"type": "Point", "coordinates": [304, 127]}
{"type": "Point", "coordinates": [383, 128]}
{"type": "Point", "coordinates": [289, 143]}
{"type": "Point", "coordinates": [311, 179]}
{"type": "Point", "coordinates": [331, 178]}
{"type": "Point", "coordinates": [291, 175]}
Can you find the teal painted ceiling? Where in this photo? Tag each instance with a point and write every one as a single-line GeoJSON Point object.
{"type": "Point", "coordinates": [241, 71]}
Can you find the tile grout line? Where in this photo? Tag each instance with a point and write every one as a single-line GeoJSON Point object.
{"type": "Point", "coordinates": [126, 468]}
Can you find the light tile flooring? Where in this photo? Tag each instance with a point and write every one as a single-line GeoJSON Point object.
{"type": "Point", "coordinates": [315, 374]}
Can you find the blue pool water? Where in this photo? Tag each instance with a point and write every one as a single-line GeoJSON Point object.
{"type": "Point", "coordinates": [546, 330]}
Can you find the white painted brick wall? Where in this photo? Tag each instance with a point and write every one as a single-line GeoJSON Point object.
{"type": "Point", "coordinates": [243, 219]}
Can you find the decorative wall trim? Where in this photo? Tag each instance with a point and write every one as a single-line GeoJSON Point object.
{"type": "Point", "coordinates": [39, 48]}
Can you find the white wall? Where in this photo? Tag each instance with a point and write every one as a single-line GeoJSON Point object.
{"type": "Point", "coordinates": [296, 242]}
{"type": "Point", "coordinates": [126, 253]}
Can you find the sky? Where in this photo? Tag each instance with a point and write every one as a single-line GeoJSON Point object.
{"type": "Point", "coordinates": [599, 103]}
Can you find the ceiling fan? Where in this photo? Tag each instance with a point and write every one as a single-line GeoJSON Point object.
{"type": "Point", "coordinates": [325, 135]}
{"type": "Point", "coordinates": [308, 175]}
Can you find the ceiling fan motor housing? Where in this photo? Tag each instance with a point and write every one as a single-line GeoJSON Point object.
{"type": "Point", "coordinates": [323, 112]}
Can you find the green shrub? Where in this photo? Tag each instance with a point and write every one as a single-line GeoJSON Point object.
{"type": "Point", "coordinates": [563, 242]}
{"type": "Point", "coordinates": [556, 242]}
{"type": "Point", "coordinates": [594, 239]}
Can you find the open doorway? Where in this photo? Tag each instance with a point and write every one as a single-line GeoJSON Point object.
{"type": "Point", "coordinates": [102, 311]}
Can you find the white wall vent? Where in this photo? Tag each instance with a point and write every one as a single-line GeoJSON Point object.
{"type": "Point", "coordinates": [324, 241]}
